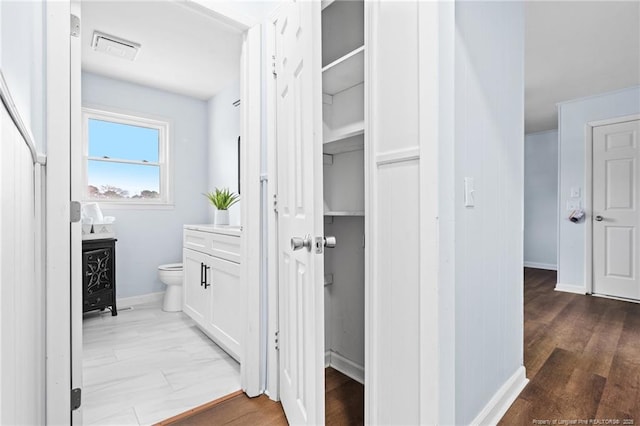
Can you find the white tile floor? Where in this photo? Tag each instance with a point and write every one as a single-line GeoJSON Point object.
{"type": "Point", "coordinates": [145, 365]}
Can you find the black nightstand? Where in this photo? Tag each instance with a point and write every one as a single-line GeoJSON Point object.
{"type": "Point", "coordinates": [99, 275]}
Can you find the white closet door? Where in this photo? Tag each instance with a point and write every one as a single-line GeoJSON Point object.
{"type": "Point", "coordinates": [300, 214]}
{"type": "Point", "coordinates": [615, 210]}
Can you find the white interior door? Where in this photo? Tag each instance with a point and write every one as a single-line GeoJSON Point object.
{"type": "Point", "coordinates": [615, 210]}
{"type": "Point", "coordinates": [300, 214]}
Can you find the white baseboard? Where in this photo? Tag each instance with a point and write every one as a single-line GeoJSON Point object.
{"type": "Point", "coordinates": [345, 366]}
{"type": "Point", "coordinates": [139, 300]}
{"type": "Point", "coordinates": [571, 288]}
{"type": "Point", "coordinates": [502, 400]}
{"type": "Point", "coordinates": [327, 359]}
{"type": "Point", "coordinates": [536, 265]}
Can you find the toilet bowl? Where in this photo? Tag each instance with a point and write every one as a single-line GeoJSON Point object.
{"type": "Point", "coordinates": [171, 275]}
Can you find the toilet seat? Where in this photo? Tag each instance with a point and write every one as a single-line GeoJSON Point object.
{"type": "Point", "coordinates": [171, 267]}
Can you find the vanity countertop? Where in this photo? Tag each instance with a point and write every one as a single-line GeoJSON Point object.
{"type": "Point", "coordinates": [217, 229]}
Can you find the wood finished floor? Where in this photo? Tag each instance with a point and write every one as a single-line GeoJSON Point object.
{"type": "Point", "coordinates": [582, 356]}
{"type": "Point", "coordinates": [344, 400]}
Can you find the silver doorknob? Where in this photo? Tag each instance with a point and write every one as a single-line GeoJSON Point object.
{"type": "Point", "coordinates": [330, 241]}
{"type": "Point", "coordinates": [599, 218]}
{"type": "Point", "coordinates": [297, 243]}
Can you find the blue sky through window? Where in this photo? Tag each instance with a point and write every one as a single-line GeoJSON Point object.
{"type": "Point", "coordinates": [122, 142]}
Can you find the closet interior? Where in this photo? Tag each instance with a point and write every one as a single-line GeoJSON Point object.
{"type": "Point", "coordinates": [343, 157]}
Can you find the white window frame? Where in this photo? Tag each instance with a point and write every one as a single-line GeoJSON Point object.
{"type": "Point", "coordinates": [164, 143]}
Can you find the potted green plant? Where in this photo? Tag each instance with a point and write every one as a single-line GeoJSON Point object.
{"type": "Point", "coordinates": [222, 199]}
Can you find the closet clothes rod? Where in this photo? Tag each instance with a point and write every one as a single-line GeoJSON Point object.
{"type": "Point", "coordinates": [7, 100]}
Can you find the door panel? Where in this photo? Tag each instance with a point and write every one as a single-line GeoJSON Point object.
{"type": "Point", "coordinates": [196, 303]}
{"type": "Point", "coordinates": [299, 158]}
{"type": "Point", "coordinates": [620, 239]}
{"type": "Point", "coordinates": [615, 194]}
{"type": "Point", "coordinates": [225, 321]}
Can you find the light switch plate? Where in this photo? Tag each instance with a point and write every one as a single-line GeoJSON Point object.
{"type": "Point", "coordinates": [469, 192]}
{"type": "Point", "coordinates": [575, 192]}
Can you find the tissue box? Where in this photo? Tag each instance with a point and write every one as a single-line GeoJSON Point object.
{"type": "Point", "coordinates": [100, 231]}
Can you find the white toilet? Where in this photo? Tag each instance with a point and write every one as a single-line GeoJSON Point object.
{"type": "Point", "coordinates": [171, 275]}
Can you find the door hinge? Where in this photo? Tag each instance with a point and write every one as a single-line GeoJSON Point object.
{"type": "Point", "coordinates": [75, 212]}
{"type": "Point", "coordinates": [76, 398]}
{"type": "Point", "coordinates": [273, 66]}
{"type": "Point", "coordinates": [276, 341]}
{"type": "Point", "coordinates": [75, 26]}
{"type": "Point", "coordinates": [275, 203]}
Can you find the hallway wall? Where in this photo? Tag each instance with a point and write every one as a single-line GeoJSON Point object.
{"type": "Point", "coordinates": [541, 200]}
{"type": "Point", "coordinates": [489, 147]}
{"type": "Point", "coordinates": [573, 115]}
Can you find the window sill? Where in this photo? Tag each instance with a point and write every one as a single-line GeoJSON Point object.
{"type": "Point", "coordinates": [107, 205]}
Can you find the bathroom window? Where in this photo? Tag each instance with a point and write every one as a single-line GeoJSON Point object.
{"type": "Point", "coordinates": [126, 158]}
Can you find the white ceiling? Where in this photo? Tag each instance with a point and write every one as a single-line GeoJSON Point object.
{"type": "Point", "coordinates": [183, 51]}
{"type": "Point", "coordinates": [572, 49]}
{"type": "Point", "coordinates": [576, 49]}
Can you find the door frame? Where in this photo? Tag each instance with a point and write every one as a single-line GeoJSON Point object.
{"type": "Point", "coordinates": [588, 193]}
{"type": "Point", "coordinates": [58, 195]}
{"type": "Point", "coordinates": [57, 215]}
{"type": "Point", "coordinates": [273, 360]}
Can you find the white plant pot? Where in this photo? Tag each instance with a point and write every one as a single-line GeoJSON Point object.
{"type": "Point", "coordinates": [222, 217]}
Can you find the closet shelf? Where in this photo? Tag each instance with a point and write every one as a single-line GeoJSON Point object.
{"type": "Point", "coordinates": [344, 72]}
{"type": "Point", "coordinates": [347, 141]}
{"type": "Point", "coordinates": [345, 132]}
{"type": "Point", "coordinates": [344, 213]}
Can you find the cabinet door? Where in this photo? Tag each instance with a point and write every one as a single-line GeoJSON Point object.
{"type": "Point", "coordinates": [226, 319]}
{"type": "Point", "coordinates": [196, 296]}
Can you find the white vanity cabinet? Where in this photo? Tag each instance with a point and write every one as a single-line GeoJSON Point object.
{"type": "Point", "coordinates": [212, 287]}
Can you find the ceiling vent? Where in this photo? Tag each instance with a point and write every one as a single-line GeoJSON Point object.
{"type": "Point", "coordinates": [114, 46]}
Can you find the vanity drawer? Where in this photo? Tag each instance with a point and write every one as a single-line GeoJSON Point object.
{"type": "Point", "coordinates": [197, 240]}
{"type": "Point", "coordinates": [225, 247]}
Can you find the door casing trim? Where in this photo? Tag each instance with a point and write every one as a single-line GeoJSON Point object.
{"type": "Point", "coordinates": [58, 229]}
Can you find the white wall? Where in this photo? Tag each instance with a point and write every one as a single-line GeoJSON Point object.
{"type": "Point", "coordinates": [22, 62]}
{"type": "Point", "coordinates": [573, 116]}
{"type": "Point", "coordinates": [22, 294]}
{"type": "Point", "coordinates": [541, 199]}
{"type": "Point", "coordinates": [224, 129]}
{"type": "Point", "coordinates": [149, 237]}
{"type": "Point", "coordinates": [489, 147]}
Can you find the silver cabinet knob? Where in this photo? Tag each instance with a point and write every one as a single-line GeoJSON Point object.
{"type": "Point", "coordinates": [599, 218]}
{"type": "Point", "coordinates": [330, 241]}
{"type": "Point", "coordinates": [297, 243]}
